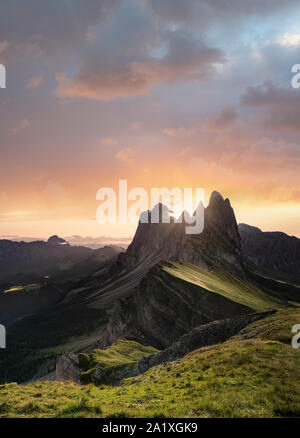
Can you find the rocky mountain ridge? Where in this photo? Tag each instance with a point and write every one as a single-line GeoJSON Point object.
{"type": "Point", "coordinates": [270, 253]}
{"type": "Point", "coordinates": [219, 243]}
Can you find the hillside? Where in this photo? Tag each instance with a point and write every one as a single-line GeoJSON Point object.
{"type": "Point", "coordinates": [254, 374]}
{"type": "Point", "coordinates": [163, 286]}
{"type": "Point", "coordinates": [176, 325]}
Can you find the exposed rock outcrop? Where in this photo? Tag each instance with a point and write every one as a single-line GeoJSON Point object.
{"type": "Point", "coordinates": [67, 368]}
{"type": "Point", "coordinates": [202, 336]}
{"type": "Point", "coordinates": [208, 334]}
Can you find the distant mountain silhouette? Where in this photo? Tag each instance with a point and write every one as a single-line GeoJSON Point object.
{"type": "Point", "coordinates": [274, 254]}
{"type": "Point", "coordinates": [38, 257]}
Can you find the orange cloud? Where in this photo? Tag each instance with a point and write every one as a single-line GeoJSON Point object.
{"type": "Point", "coordinates": [109, 141]}
{"type": "Point", "coordinates": [35, 82]}
{"type": "Point", "coordinates": [179, 132]}
{"type": "Point", "coordinates": [127, 155]}
{"type": "Point", "coordinates": [136, 125]}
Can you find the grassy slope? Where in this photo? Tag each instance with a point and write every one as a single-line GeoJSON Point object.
{"type": "Point", "coordinates": [225, 284]}
{"type": "Point", "coordinates": [244, 377]}
{"type": "Point", "coordinates": [114, 358]}
{"type": "Point", "coordinates": [75, 329]}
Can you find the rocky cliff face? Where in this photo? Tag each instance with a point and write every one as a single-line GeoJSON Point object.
{"type": "Point", "coordinates": [160, 308]}
{"type": "Point", "coordinates": [68, 366]}
{"type": "Point", "coordinates": [163, 308]}
{"type": "Point", "coordinates": [272, 254]}
{"type": "Point", "coordinates": [200, 336]}
{"type": "Point", "coordinates": [218, 244]}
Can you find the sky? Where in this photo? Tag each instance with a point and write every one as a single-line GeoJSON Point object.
{"type": "Point", "coordinates": [162, 93]}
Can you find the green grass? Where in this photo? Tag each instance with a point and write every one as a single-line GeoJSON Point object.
{"type": "Point", "coordinates": [223, 283]}
{"type": "Point", "coordinates": [255, 374]}
{"type": "Point", "coordinates": [276, 327]}
{"type": "Point", "coordinates": [118, 356]}
{"type": "Point", "coordinates": [13, 289]}
{"type": "Point", "coordinates": [28, 288]}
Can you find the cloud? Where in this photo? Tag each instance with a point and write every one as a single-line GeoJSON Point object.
{"type": "Point", "coordinates": [115, 75]}
{"type": "Point", "coordinates": [281, 105]}
{"type": "Point", "coordinates": [205, 12]}
{"type": "Point", "coordinates": [290, 40]}
{"type": "Point", "coordinates": [109, 141]}
{"type": "Point", "coordinates": [180, 132]}
{"type": "Point", "coordinates": [49, 26]}
{"type": "Point", "coordinates": [136, 125]}
{"type": "Point", "coordinates": [127, 155]}
{"type": "Point", "coordinates": [3, 46]}
{"type": "Point", "coordinates": [35, 82]}
{"type": "Point", "coordinates": [226, 117]}
{"type": "Point", "coordinates": [21, 126]}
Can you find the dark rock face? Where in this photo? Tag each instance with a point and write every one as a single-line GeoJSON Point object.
{"type": "Point", "coordinates": [272, 254]}
{"type": "Point", "coordinates": [156, 241]}
{"type": "Point", "coordinates": [201, 336]}
{"type": "Point", "coordinates": [163, 308]}
{"type": "Point", "coordinates": [160, 308]}
{"type": "Point", "coordinates": [67, 368]}
{"type": "Point", "coordinates": [220, 220]}
{"type": "Point", "coordinates": [219, 243]}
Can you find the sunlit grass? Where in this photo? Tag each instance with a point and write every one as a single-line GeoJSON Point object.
{"type": "Point", "coordinates": [116, 357]}
{"type": "Point", "coordinates": [223, 283]}
{"type": "Point", "coordinates": [27, 288]}
{"type": "Point", "coordinates": [244, 377]}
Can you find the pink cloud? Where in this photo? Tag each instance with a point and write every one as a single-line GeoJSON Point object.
{"type": "Point", "coordinates": [127, 155]}
{"type": "Point", "coordinates": [109, 141]}
{"type": "Point", "coordinates": [21, 126]}
{"type": "Point", "coordinates": [35, 82]}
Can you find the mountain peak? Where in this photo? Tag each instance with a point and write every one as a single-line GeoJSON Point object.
{"type": "Point", "coordinates": [219, 241]}
{"type": "Point", "coordinates": [55, 241]}
{"type": "Point", "coordinates": [215, 197]}
{"type": "Point", "coordinates": [249, 228]}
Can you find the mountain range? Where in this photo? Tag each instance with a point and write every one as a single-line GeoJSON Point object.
{"type": "Point", "coordinates": [170, 291]}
